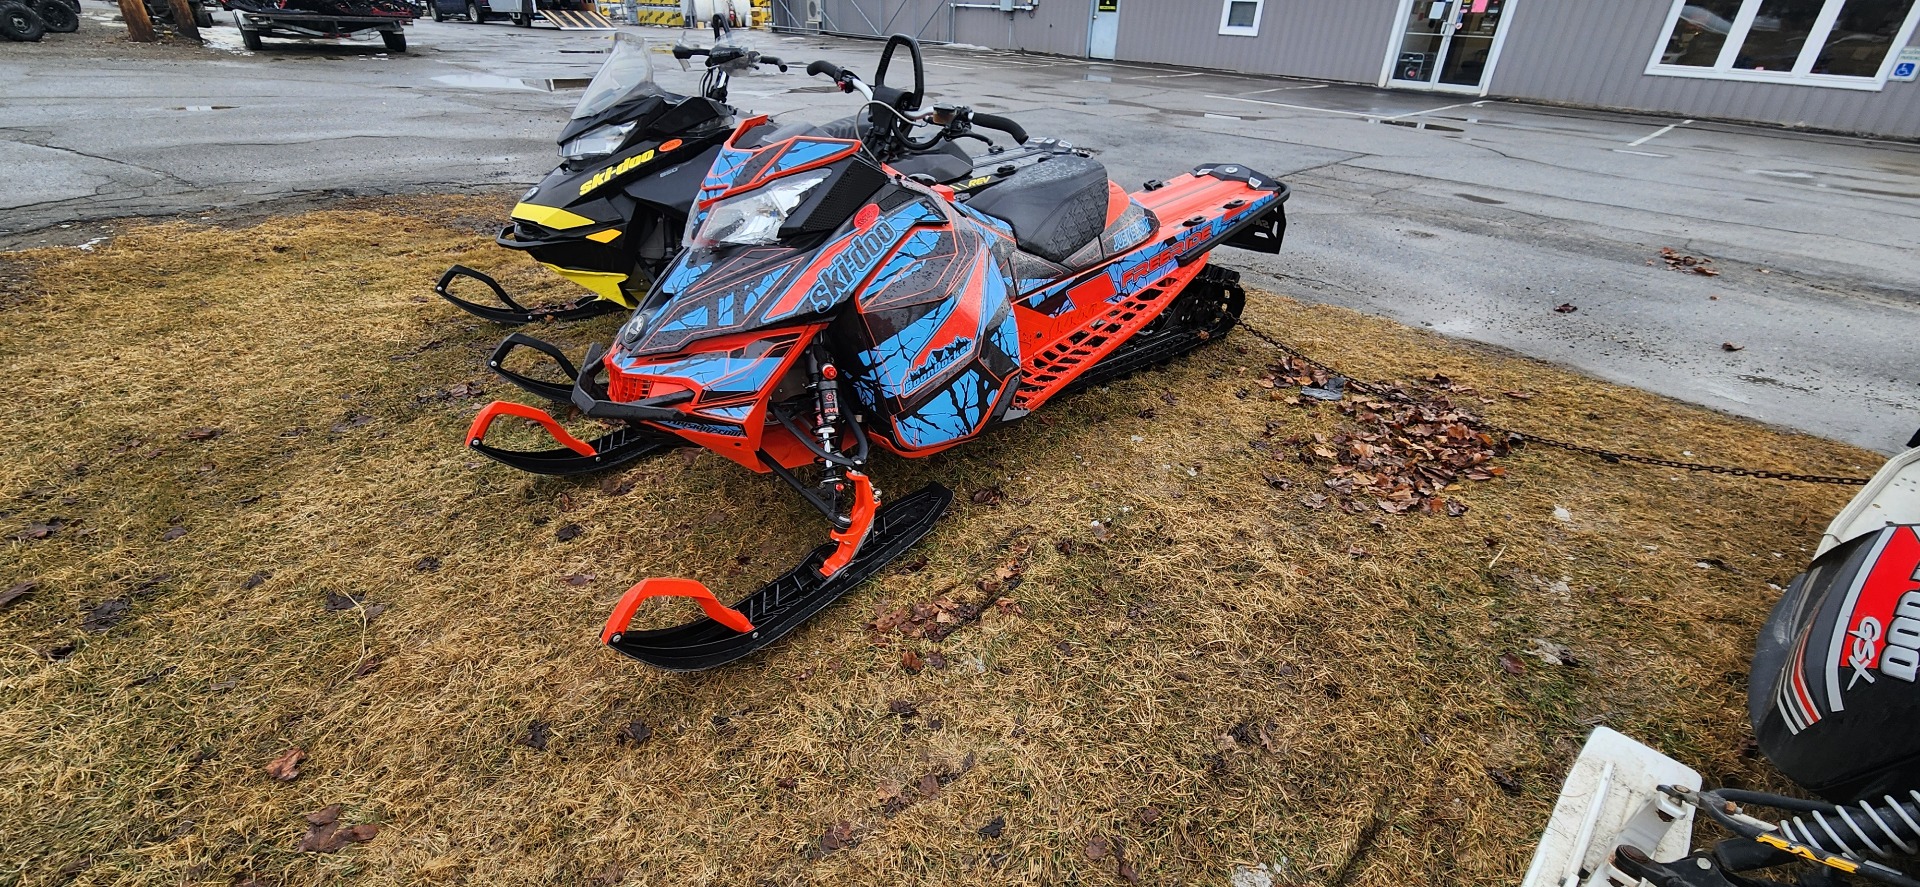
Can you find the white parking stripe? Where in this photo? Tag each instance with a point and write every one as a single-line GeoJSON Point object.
{"type": "Point", "coordinates": [1285, 88]}
{"type": "Point", "coordinates": [1228, 98]}
{"type": "Point", "coordinates": [1657, 133]}
{"type": "Point", "coordinates": [1431, 110]}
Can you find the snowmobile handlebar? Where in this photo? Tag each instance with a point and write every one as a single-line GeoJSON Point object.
{"type": "Point", "coordinates": [995, 121]}
{"type": "Point", "coordinates": [828, 68]}
{"type": "Point", "coordinates": [725, 55]}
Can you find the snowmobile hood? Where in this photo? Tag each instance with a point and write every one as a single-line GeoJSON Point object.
{"type": "Point", "coordinates": [829, 243]}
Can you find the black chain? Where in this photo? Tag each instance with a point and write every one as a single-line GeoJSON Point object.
{"type": "Point", "coordinates": [1609, 456]}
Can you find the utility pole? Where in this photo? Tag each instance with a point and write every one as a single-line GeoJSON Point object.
{"type": "Point", "coordinates": [183, 19]}
{"type": "Point", "coordinates": [139, 26]}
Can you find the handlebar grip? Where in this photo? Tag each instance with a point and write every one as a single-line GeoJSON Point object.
{"type": "Point", "coordinates": [995, 121]}
{"type": "Point", "coordinates": [824, 67]}
{"type": "Point", "coordinates": [770, 60]}
{"type": "Point", "coordinates": [686, 52]}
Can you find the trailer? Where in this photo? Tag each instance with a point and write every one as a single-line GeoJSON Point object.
{"type": "Point", "coordinates": [296, 24]}
{"type": "Point", "coordinates": [567, 15]}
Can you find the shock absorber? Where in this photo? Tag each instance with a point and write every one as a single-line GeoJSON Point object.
{"type": "Point", "coordinates": [826, 419]}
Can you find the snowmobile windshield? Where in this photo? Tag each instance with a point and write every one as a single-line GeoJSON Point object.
{"type": "Point", "coordinates": [627, 74]}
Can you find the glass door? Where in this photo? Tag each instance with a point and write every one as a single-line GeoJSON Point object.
{"type": "Point", "coordinates": [1447, 45]}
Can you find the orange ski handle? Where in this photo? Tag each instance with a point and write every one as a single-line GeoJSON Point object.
{"type": "Point", "coordinates": [478, 431]}
{"type": "Point", "coordinates": [622, 615]}
{"type": "Point", "coordinates": [851, 538]}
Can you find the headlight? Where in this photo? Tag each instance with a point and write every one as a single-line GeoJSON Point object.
{"type": "Point", "coordinates": [597, 142]}
{"type": "Point", "coordinates": [754, 218]}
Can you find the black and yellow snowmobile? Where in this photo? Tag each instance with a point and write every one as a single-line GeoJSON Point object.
{"type": "Point", "coordinates": [612, 214]}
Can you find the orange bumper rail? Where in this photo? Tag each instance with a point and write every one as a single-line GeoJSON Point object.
{"type": "Point", "coordinates": [622, 616]}
{"type": "Point", "coordinates": [851, 538]}
{"type": "Point", "coordinates": [478, 431]}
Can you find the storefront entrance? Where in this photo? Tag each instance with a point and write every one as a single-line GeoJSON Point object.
{"type": "Point", "coordinates": [1446, 45]}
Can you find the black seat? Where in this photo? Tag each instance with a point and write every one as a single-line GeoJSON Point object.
{"type": "Point", "coordinates": [1054, 207]}
{"type": "Point", "coordinates": [946, 163]}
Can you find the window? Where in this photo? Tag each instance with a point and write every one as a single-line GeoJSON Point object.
{"type": "Point", "coordinates": [1844, 43]}
{"type": "Point", "coordinates": [1241, 18]}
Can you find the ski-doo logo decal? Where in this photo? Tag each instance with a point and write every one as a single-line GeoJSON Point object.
{"type": "Point", "coordinates": [617, 170]}
{"type": "Point", "coordinates": [862, 253]}
{"type": "Point", "coordinates": [849, 265]}
{"type": "Point", "coordinates": [1878, 632]}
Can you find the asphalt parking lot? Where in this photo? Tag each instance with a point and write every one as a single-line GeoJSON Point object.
{"type": "Point", "coordinates": [1475, 219]}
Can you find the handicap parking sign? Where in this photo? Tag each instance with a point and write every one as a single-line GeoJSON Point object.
{"type": "Point", "coordinates": [1907, 64]}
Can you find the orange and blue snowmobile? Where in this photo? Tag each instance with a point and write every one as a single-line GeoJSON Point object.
{"type": "Point", "coordinates": [826, 305]}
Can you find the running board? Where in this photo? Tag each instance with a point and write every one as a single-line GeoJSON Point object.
{"type": "Point", "coordinates": [782, 605]}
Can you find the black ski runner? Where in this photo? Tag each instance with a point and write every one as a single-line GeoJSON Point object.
{"type": "Point", "coordinates": [790, 600]}
{"type": "Point", "coordinates": [610, 450]}
{"type": "Point", "coordinates": [515, 313]}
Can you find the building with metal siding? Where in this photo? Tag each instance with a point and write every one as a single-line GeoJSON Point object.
{"type": "Point", "coordinates": [1606, 67]}
{"type": "Point", "coordinates": [1619, 54]}
{"type": "Point", "coordinates": [1315, 39]}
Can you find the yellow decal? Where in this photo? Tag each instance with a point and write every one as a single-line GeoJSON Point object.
{"type": "Point", "coordinates": [606, 236]}
{"type": "Point", "coordinates": [971, 184]}
{"type": "Point", "coordinates": [1807, 853]}
{"type": "Point", "coordinates": [617, 170]}
{"type": "Point", "coordinates": [549, 216]}
{"type": "Point", "coordinates": [603, 284]}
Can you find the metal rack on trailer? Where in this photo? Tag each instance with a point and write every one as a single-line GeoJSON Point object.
{"type": "Point", "coordinates": [256, 25]}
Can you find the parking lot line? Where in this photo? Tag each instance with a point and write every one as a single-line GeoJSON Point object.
{"type": "Point", "coordinates": [1285, 88]}
{"type": "Point", "coordinates": [1229, 98]}
{"type": "Point", "coordinates": [1657, 133]}
{"type": "Point", "coordinates": [1441, 108]}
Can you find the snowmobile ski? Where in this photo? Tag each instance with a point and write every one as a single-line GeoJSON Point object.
{"type": "Point", "coordinates": [730, 633]}
{"type": "Point", "coordinates": [558, 392]}
{"type": "Point", "coordinates": [515, 313]}
{"type": "Point", "coordinates": [574, 456]}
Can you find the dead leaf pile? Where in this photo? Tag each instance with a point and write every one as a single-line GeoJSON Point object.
{"type": "Point", "coordinates": [1681, 262]}
{"type": "Point", "coordinates": [929, 620]}
{"type": "Point", "coordinates": [324, 834]}
{"type": "Point", "coordinates": [936, 619]}
{"type": "Point", "coordinates": [894, 796]}
{"type": "Point", "coordinates": [1400, 448]}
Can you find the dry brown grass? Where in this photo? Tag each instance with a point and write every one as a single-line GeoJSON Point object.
{"type": "Point", "coordinates": [1215, 602]}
